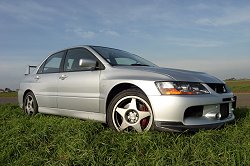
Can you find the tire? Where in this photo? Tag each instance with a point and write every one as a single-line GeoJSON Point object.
{"type": "Point", "coordinates": [130, 110]}
{"type": "Point", "coordinates": [30, 106]}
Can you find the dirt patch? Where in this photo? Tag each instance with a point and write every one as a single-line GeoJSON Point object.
{"type": "Point", "coordinates": [4, 100]}
{"type": "Point", "coordinates": [243, 99]}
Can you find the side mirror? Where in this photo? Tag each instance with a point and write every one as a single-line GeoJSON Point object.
{"type": "Point", "coordinates": [87, 63]}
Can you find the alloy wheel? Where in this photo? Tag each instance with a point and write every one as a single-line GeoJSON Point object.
{"type": "Point", "coordinates": [29, 105]}
{"type": "Point", "coordinates": [132, 113]}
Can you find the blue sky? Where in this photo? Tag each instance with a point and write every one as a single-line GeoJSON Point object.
{"type": "Point", "coordinates": [211, 36]}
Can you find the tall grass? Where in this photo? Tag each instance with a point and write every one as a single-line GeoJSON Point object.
{"type": "Point", "coordinates": [54, 140]}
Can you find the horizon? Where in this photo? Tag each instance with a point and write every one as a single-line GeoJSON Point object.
{"type": "Point", "coordinates": [208, 36]}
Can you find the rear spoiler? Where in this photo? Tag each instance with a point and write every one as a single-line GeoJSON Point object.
{"type": "Point", "coordinates": [29, 68]}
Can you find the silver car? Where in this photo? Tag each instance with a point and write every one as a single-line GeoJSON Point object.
{"type": "Point", "coordinates": [125, 91]}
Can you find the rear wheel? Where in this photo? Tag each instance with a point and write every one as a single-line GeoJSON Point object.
{"type": "Point", "coordinates": [130, 110]}
{"type": "Point", "coordinates": [30, 106]}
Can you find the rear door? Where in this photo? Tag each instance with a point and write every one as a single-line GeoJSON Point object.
{"type": "Point", "coordinates": [46, 81]}
{"type": "Point", "coordinates": [78, 87]}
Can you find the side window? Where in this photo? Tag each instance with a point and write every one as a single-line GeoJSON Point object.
{"type": "Point", "coordinates": [73, 57]}
{"type": "Point", "coordinates": [52, 64]}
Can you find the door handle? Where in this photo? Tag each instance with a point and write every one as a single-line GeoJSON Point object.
{"type": "Point", "coordinates": [62, 77]}
{"type": "Point", "coordinates": [37, 78]}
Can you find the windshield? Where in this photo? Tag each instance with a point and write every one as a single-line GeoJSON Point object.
{"type": "Point", "coordinates": [121, 58]}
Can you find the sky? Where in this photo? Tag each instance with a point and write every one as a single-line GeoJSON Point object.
{"type": "Point", "coordinates": [210, 36]}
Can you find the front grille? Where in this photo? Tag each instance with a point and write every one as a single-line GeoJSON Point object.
{"type": "Point", "coordinates": [224, 110]}
{"type": "Point", "coordinates": [218, 88]}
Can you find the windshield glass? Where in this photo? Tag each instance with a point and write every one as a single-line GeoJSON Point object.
{"type": "Point", "coordinates": [121, 58]}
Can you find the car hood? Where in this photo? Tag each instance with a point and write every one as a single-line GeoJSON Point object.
{"type": "Point", "coordinates": [174, 74]}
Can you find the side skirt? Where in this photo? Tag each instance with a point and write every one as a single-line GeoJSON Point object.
{"type": "Point", "coordinates": [73, 113]}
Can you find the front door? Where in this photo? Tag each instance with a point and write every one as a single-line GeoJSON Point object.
{"type": "Point", "coordinates": [78, 87]}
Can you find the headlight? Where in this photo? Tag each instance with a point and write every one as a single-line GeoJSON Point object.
{"type": "Point", "coordinates": [181, 88]}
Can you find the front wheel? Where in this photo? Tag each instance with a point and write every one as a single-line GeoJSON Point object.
{"type": "Point", "coordinates": [130, 110]}
{"type": "Point", "coordinates": [30, 106]}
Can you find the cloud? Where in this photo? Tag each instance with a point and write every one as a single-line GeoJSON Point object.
{"type": "Point", "coordinates": [81, 32]}
{"type": "Point", "coordinates": [229, 16]}
{"type": "Point", "coordinates": [91, 34]}
{"type": "Point", "coordinates": [28, 11]}
{"type": "Point", "coordinates": [123, 13]}
{"type": "Point", "coordinates": [200, 6]}
{"type": "Point", "coordinates": [110, 33]}
{"type": "Point", "coordinates": [194, 42]}
{"type": "Point", "coordinates": [85, 34]}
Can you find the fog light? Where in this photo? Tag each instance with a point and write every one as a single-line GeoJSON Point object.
{"type": "Point", "coordinates": [213, 115]}
{"type": "Point", "coordinates": [218, 116]}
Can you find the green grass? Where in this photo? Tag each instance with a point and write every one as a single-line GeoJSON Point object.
{"type": "Point", "coordinates": [8, 94]}
{"type": "Point", "coordinates": [54, 140]}
{"type": "Point", "coordinates": [239, 86]}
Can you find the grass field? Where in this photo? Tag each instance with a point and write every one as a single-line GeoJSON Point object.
{"type": "Point", "coordinates": [8, 94]}
{"type": "Point", "coordinates": [54, 140]}
{"type": "Point", "coordinates": [239, 86]}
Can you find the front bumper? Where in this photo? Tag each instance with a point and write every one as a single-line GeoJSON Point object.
{"type": "Point", "coordinates": [192, 112]}
{"type": "Point", "coordinates": [164, 126]}
{"type": "Point", "coordinates": [20, 97]}
{"type": "Point", "coordinates": [180, 127]}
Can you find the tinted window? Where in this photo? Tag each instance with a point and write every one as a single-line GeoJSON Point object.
{"type": "Point", "coordinates": [120, 58]}
{"type": "Point", "coordinates": [73, 57]}
{"type": "Point", "coordinates": [125, 61]}
{"type": "Point", "coordinates": [52, 64]}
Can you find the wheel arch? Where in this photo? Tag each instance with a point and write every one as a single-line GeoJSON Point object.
{"type": "Point", "coordinates": [129, 91]}
{"type": "Point", "coordinates": [119, 88]}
